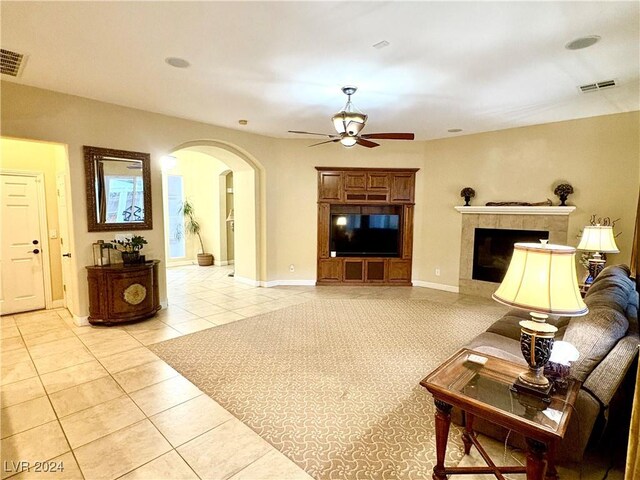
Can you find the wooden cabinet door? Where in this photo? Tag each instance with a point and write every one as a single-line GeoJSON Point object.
{"type": "Point", "coordinates": [378, 181]}
{"type": "Point", "coordinates": [355, 180]}
{"type": "Point", "coordinates": [375, 270]}
{"type": "Point", "coordinates": [402, 187]}
{"type": "Point", "coordinates": [407, 231]}
{"type": "Point", "coordinates": [330, 186]}
{"type": "Point", "coordinates": [330, 270]}
{"type": "Point", "coordinates": [353, 270]}
{"type": "Point", "coordinates": [324, 229]}
{"type": "Point", "coordinates": [399, 270]}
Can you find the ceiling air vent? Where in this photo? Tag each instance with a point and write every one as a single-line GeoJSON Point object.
{"type": "Point", "coordinates": [592, 87]}
{"type": "Point", "coordinates": [11, 63]}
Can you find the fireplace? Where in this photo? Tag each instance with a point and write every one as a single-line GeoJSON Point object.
{"type": "Point", "coordinates": [493, 248]}
{"type": "Point", "coordinates": [515, 224]}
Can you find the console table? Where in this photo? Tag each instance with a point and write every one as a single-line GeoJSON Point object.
{"type": "Point", "coordinates": [123, 293]}
{"type": "Point", "coordinates": [483, 391]}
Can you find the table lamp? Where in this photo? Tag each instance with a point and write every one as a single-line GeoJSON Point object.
{"type": "Point", "coordinates": [541, 279]}
{"type": "Point", "coordinates": [598, 239]}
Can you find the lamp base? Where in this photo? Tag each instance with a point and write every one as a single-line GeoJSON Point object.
{"type": "Point", "coordinates": [596, 264]}
{"type": "Point", "coordinates": [541, 392]}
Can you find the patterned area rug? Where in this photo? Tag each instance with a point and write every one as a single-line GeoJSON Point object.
{"type": "Point", "coordinates": [333, 384]}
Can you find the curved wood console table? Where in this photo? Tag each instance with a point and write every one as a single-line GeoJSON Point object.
{"type": "Point", "coordinates": [123, 293]}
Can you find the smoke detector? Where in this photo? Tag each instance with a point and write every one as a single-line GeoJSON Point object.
{"type": "Point", "coordinates": [594, 87]}
{"type": "Point", "coordinates": [11, 63]}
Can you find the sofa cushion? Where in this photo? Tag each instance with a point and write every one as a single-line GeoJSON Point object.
{"type": "Point", "coordinates": [509, 325]}
{"type": "Point", "coordinates": [594, 335]}
{"type": "Point", "coordinates": [498, 346]}
{"type": "Point", "coordinates": [611, 289]}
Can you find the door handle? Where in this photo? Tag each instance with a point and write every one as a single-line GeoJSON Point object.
{"type": "Point", "coordinates": [68, 255]}
{"type": "Point", "coordinates": [35, 250]}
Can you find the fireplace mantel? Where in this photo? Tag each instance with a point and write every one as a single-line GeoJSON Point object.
{"type": "Point", "coordinates": [515, 210]}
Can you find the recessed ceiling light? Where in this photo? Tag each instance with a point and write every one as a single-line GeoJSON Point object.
{"type": "Point", "coordinates": [177, 62]}
{"type": "Point", "coordinates": [243, 122]}
{"type": "Point", "coordinates": [454, 130]}
{"type": "Point", "coordinates": [582, 42]}
{"type": "Point", "coordinates": [381, 44]}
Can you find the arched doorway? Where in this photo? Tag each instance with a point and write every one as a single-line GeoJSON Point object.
{"type": "Point", "coordinates": [248, 204]}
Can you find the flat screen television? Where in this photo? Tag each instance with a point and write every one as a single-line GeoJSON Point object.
{"type": "Point", "coordinates": [355, 235]}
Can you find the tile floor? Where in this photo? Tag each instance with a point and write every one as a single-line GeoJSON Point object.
{"type": "Point", "coordinates": [97, 403]}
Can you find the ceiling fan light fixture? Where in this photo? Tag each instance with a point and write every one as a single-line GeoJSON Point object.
{"type": "Point", "coordinates": [349, 122]}
{"type": "Point", "coordinates": [348, 140]}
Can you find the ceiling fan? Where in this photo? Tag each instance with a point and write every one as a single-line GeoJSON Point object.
{"type": "Point", "coordinates": [349, 122]}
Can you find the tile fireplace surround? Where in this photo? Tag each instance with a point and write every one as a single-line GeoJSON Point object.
{"type": "Point", "coordinates": [555, 220]}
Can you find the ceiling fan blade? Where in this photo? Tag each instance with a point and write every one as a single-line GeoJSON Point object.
{"type": "Point", "coordinates": [313, 133]}
{"type": "Point", "coordinates": [390, 136]}
{"type": "Point", "coordinates": [326, 141]}
{"type": "Point", "coordinates": [367, 143]}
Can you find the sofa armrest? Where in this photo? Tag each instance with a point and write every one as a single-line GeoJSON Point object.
{"type": "Point", "coordinates": [607, 376]}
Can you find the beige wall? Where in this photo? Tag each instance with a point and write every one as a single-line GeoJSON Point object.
{"type": "Point", "coordinates": [599, 156]}
{"type": "Point", "coordinates": [201, 183]}
{"type": "Point", "coordinates": [38, 114]}
{"type": "Point", "coordinates": [41, 157]}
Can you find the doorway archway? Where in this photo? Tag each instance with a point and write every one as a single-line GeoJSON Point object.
{"type": "Point", "coordinates": [249, 201]}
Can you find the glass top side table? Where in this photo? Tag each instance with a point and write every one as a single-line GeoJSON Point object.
{"type": "Point", "coordinates": [484, 391]}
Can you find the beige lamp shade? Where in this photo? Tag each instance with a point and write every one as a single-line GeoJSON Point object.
{"type": "Point", "coordinates": [598, 238]}
{"type": "Point", "coordinates": [541, 278]}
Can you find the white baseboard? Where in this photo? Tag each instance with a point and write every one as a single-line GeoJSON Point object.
{"type": "Point", "coordinates": [81, 321]}
{"type": "Point", "coordinates": [248, 281]}
{"type": "Point", "coordinates": [436, 286]}
{"type": "Point", "coordinates": [164, 304]}
{"type": "Point", "coordinates": [275, 283]}
{"type": "Point", "coordinates": [223, 263]}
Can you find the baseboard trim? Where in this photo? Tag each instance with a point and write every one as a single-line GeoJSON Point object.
{"type": "Point", "coordinates": [276, 283]}
{"type": "Point", "coordinates": [436, 286]}
{"type": "Point", "coordinates": [248, 281]}
{"type": "Point", "coordinates": [81, 321]}
{"type": "Point", "coordinates": [164, 304]}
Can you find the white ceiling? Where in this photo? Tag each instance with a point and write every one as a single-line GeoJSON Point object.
{"type": "Point", "coordinates": [479, 66]}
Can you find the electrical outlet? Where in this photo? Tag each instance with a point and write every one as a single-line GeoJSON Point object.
{"type": "Point", "coordinates": [292, 268]}
{"type": "Point", "coordinates": [437, 272]}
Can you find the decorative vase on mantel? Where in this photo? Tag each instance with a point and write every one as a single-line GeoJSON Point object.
{"type": "Point", "coordinates": [563, 191]}
{"type": "Point", "coordinates": [467, 193]}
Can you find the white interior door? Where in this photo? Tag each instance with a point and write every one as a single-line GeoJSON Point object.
{"type": "Point", "coordinates": [21, 269]}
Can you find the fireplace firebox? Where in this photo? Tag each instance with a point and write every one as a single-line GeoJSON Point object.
{"type": "Point", "coordinates": [493, 248]}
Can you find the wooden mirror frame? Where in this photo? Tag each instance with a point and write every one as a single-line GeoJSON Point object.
{"type": "Point", "coordinates": [90, 154]}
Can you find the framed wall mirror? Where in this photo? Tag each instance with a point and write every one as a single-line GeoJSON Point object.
{"type": "Point", "coordinates": [118, 185]}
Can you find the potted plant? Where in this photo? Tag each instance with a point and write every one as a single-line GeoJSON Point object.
{"type": "Point", "coordinates": [130, 248]}
{"type": "Point", "coordinates": [192, 227]}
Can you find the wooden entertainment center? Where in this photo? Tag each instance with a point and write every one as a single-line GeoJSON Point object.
{"type": "Point", "coordinates": [383, 192]}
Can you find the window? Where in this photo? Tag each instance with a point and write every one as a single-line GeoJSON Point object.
{"type": "Point", "coordinates": [176, 220]}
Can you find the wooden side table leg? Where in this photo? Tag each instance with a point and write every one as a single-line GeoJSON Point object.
{"type": "Point", "coordinates": [552, 473]}
{"type": "Point", "coordinates": [468, 432]}
{"type": "Point", "coordinates": [443, 421]}
{"type": "Point", "coordinates": [536, 459]}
